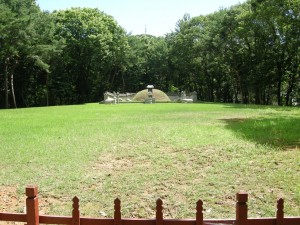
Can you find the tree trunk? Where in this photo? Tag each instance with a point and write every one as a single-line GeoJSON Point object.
{"type": "Point", "coordinates": [6, 72]}
{"type": "Point", "coordinates": [279, 84]}
{"type": "Point", "coordinates": [279, 100]}
{"type": "Point", "coordinates": [47, 90]}
{"type": "Point", "coordinates": [239, 85]}
{"type": "Point", "coordinates": [12, 89]}
{"type": "Point", "coordinates": [12, 83]}
{"type": "Point", "coordinates": [6, 83]}
{"type": "Point", "coordinates": [123, 83]}
{"type": "Point", "coordinates": [290, 89]}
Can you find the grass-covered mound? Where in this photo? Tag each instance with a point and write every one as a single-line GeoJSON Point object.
{"type": "Point", "coordinates": [159, 96]}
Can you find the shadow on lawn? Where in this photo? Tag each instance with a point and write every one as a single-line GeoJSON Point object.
{"type": "Point", "coordinates": [281, 132]}
{"type": "Point", "coordinates": [252, 106]}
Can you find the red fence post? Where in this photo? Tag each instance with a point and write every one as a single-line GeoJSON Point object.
{"type": "Point", "coordinates": [159, 213]}
{"type": "Point", "coordinates": [117, 213]}
{"type": "Point", "coordinates": [241, 208]}
{"type": "Point", "coordinates": [75, 212]}
{"type": "Point", "coordinates": [199, 214]}
{"type": "Point", "coordinates": [32, 205]}
{"type": "Point", "coordinates": [280, 212]}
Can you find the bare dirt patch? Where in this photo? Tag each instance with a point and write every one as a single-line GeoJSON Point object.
{"type": "Point", "coordinates": [110, 163]}
{"type": "Point", "coordinates": [10, 201]}
{"type": "Point", "coordinates": [14, 202]}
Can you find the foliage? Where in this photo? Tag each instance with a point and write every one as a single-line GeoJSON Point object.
{"type": "Point", "coordinates": [147, 63]}
{"type": "Point", "coordinates": [248, 53]}
{"type": "Point", "coordinates": [15, 42]}
{"type": "Point", "coordinates": [93, 55]}
{"type": "Point", "coordinates": [242, 54]}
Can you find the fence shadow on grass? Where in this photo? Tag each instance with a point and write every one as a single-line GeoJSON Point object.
{"type": "Point", "coordinates": [283, 132]}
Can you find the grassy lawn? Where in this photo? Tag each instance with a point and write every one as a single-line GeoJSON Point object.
{"type": "Point", "coordinates": [137, 152]}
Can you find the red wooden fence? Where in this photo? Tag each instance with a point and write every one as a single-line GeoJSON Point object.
{"type": "Point", "coordinates": [32, 217]}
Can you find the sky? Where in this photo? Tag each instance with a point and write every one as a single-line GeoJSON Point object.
{"type": "Point", "coordinates": [155, 17]}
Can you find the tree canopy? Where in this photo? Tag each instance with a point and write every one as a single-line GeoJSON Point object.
{"type": "Point", "coordinates": [248, 53]}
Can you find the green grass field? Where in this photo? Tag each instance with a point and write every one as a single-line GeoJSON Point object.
{"type": "Point", "coordinates": [137, 152]}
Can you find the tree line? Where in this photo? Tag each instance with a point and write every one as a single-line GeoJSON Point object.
{"type": "Point", "coordinates": [248, 53]}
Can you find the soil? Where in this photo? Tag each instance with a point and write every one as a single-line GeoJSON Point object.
{"type": "Point", "coordinates": [12, 202]}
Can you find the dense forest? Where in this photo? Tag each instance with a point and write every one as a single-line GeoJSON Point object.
{"type": "Point", "coordinates": [249, 53]}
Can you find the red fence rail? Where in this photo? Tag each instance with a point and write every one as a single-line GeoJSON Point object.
{"type": "Point", "coordinates": [32, 217]}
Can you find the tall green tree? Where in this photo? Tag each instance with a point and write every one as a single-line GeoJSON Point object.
{"type": "Point", "coordinates": [147, 63]}
{"type": "Point", "coordinates": [280, 22]}
{"type": "Point", "coordinates": [248, 53]}
{"type": "Point", "coordinates": [92, 59]}
{"type": "Point", "coordinates": [15, 34]}
{"type": "Point", "coordinates": [44, 47]}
